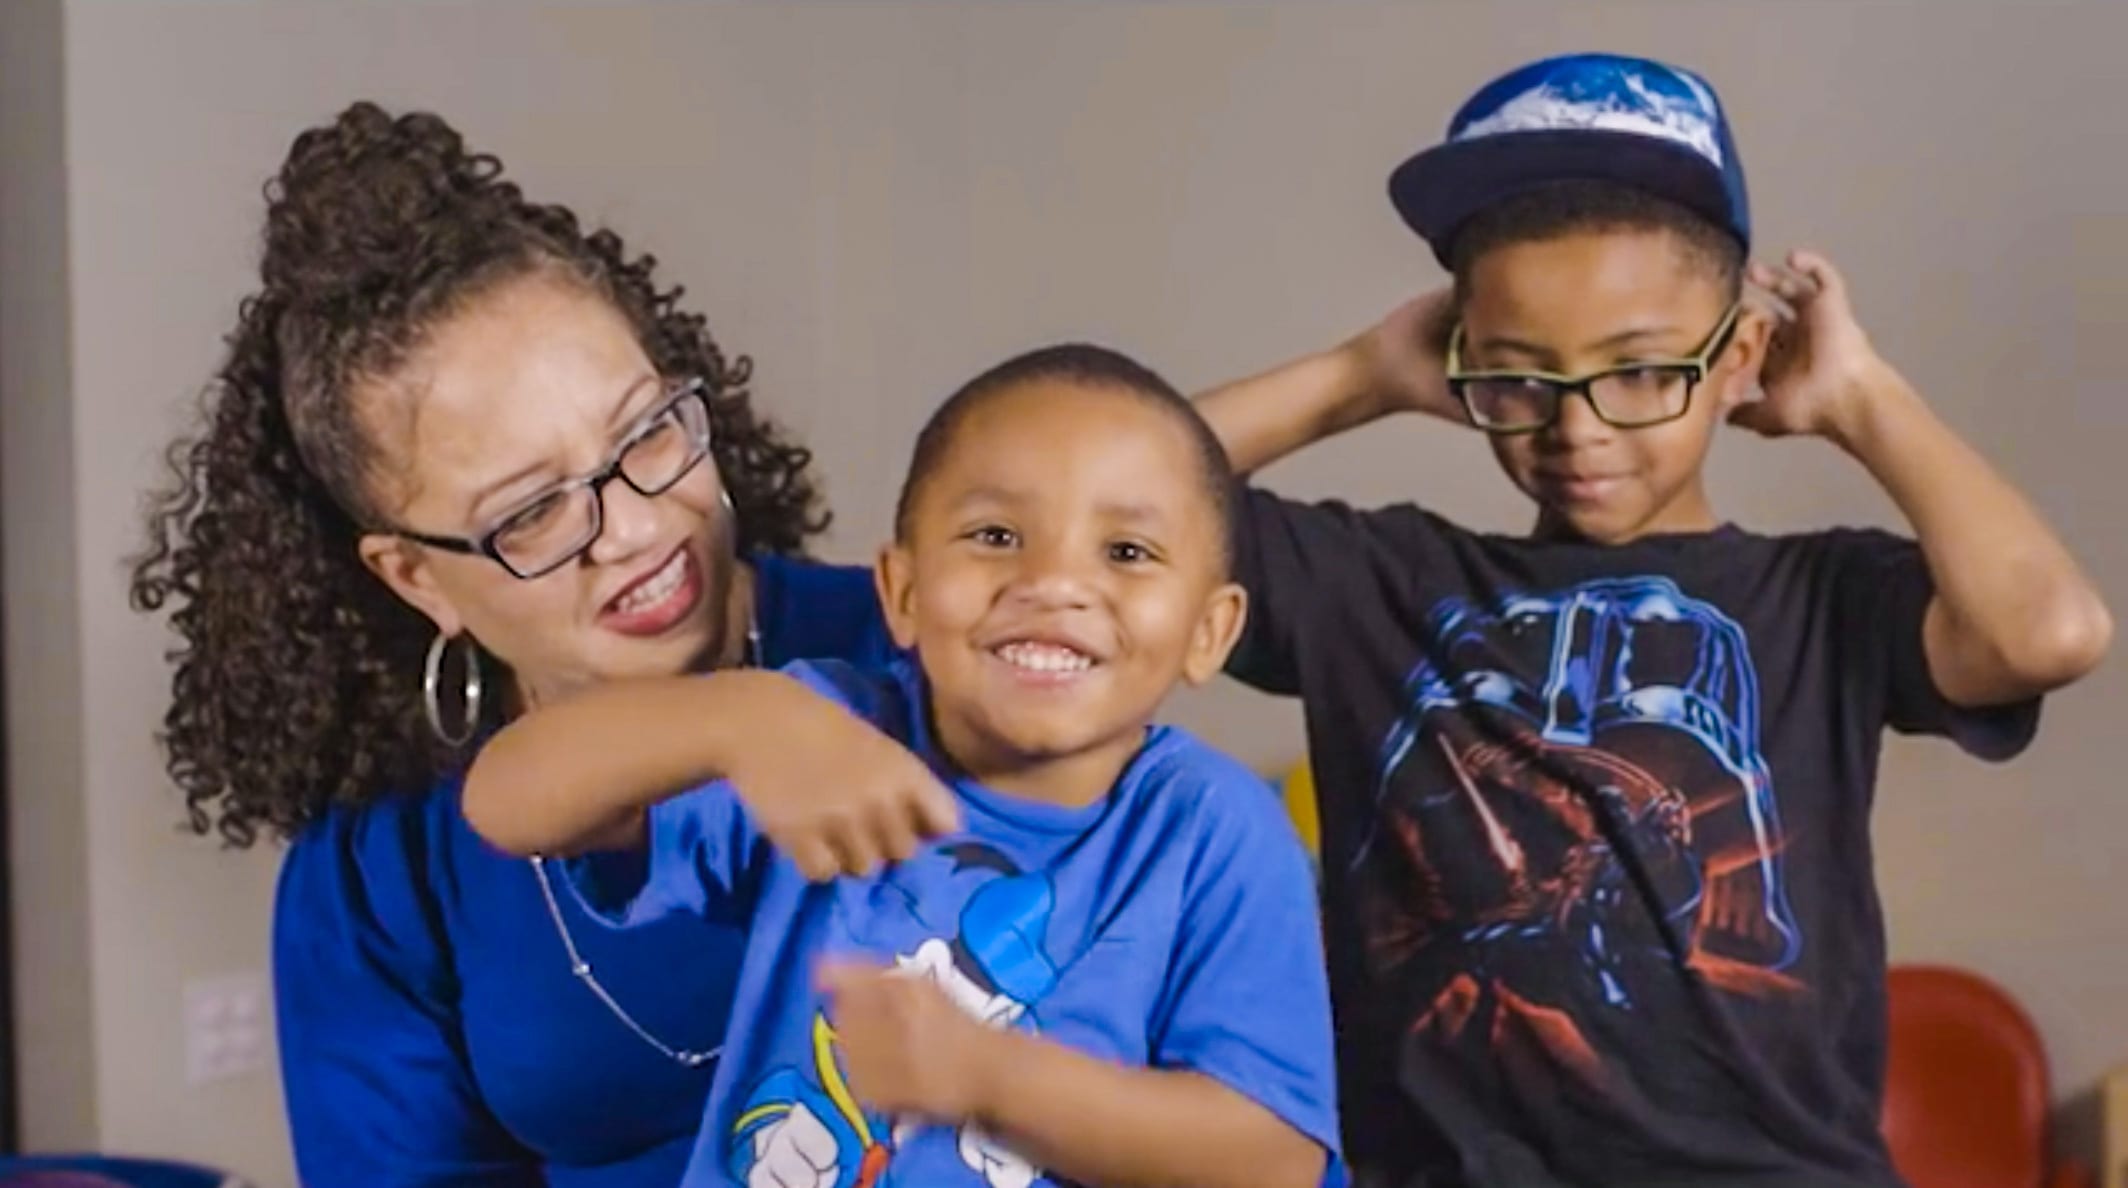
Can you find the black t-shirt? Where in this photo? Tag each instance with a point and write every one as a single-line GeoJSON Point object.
{"type": "Point", "coordinates": [1595, 824]}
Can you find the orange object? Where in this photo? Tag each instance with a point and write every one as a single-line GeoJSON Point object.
{"type": "Point", "coordinates": [1298, 788]}
{"type": "Point", "coordinates": [873, 1165]}
{"type": "Point", "coordinates": [1966, 1093]}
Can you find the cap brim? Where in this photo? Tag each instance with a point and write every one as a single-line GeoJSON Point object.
{"type": "Point", "coordinates": [1439, 189]}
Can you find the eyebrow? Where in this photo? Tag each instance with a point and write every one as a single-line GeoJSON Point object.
{"type": "Point", "coordinates": [1126, 511]}
{"type": "Point", "coordinates": [621, 416]}
{"type": "Point", "coordinates": [1132, 513]}
{"type": "Point", "coordinates": [1623, 338]}
{"type": "Point", "coordinates": [625, 412]}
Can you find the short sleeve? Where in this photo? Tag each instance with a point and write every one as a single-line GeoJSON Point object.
{"type": "Point", "coordinates": [1284, 555]}
{"type": "Point", "coordinates": [700, 857]}
{"type": "Point", "coordinates": [1248, 1002]}
{"type": "Point", "coordinates": [373, 1065]}
{"type": "Point", "coordinates": [1885, 592]}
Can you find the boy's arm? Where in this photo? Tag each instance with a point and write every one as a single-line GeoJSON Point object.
{"type": "Point", "coordinates": [577, 775]}
{"type": "Point", "coordinates": [1392, 366]}
{"type": "Point", "coordinates": [1102, 1123]}
{"type": "Point", "coordinates": [908, 1049]}
{"type": "Point", "coordinates": [2013, 615]}
{"type": "Point", "coordinates": [1286, 553]}
{"type": "Point", "coordinates": [826, 787]}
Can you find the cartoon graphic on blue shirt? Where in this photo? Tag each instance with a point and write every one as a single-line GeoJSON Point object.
{"type": "Point", "coordinates": [1564, 758]}
{"type": "Point", "coordinates": [1170, 924]}
{"type": "Point", "coordinates": [803, 1126]}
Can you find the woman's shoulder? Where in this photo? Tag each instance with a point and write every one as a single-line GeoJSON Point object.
{"type": "Point", "coordinates": [394, 826]}
{"type": "Point", "coordinates": [375, 867]}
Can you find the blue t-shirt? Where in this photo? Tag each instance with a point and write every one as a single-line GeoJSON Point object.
{"type": "Point", "coordinates": [1172, 924]}
{"type": "Point", "coordinates": [431, 1033]}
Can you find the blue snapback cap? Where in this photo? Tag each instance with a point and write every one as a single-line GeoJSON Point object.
{"type": "Point", "coordinates": [1596, 117]}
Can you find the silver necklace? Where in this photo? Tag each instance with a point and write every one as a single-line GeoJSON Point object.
{"type": "Point", "coordinates": [581, 969]}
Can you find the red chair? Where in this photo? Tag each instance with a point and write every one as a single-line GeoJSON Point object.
{"type": "Point", "coordinates": [1966, 1095]}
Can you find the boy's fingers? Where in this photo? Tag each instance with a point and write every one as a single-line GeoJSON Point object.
{"type": "Point", "coordinates": [852, 847]}
{"type": "Point", "coordinates": [1808, 272]}
{"type": "Point", "coordinates": [1820, 271]}
{"type": "Point", "coordinates": [813, 859]}
{"type": "Point", "coordinates": [1794, 280]}
{"type": "Point", "coordinates": [1773, 278]}
{"type": "Point", "coordinates": [896, 834]}
{"type": "Point", "coordinates": [833, 975]}
{"type": "Point", "coordinates": [937, 812]}
{"type": "Point", "coordinates": [1768, 304]}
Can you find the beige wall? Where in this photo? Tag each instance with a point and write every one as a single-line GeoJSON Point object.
{"type": "Point", "coordinates": [877, 199]}
{"type": "Point", "coordinates": [47, 822]}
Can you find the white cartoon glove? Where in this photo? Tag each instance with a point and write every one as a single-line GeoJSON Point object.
{"type": "Point", "coordinates": [933, 961]}
{"type": "Point", "coordinates": [798, 1152]}
{"type": "Point", "coordinates": [998, 1166]}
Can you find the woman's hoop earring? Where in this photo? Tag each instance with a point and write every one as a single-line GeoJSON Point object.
{"type": "Point", "coordinates": [432, 679]}
{"type": "Point", "coordinates": [731, 510]}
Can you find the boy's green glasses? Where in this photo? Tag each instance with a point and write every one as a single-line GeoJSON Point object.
{"type": "Point", "coordinates": [1629, 396]}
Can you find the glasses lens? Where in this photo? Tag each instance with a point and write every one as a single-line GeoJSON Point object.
{"type": "Point", "coordinates": [1642, 395]}
{"type": "Point", "coordinates": [546, 532]}
{"type": "Point", "coordinates": [1508, 402]}
{"type": "Point", "coordinates": [669, 446]}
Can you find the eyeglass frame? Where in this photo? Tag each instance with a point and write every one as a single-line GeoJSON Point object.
{"type": "Point", "coordinates": [482, 543]}
{"type": "Point", "coordinates": [1695, 368]}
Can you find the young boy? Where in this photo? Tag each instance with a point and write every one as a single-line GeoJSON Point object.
{"type": "Point", "coordinates": [1111, 972]}
{"type": "Point", "coordinates": [1595, 801]}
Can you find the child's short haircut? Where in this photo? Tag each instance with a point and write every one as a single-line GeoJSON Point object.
{"type": "Point", "coordinates": [1571, 207]}
{"type": "Point", "coordinates": [1091, 366]}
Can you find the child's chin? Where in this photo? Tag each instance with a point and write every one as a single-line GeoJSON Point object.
{"type": "Point", "coordinates": [1046, 741]}
{"type": "Point", "coordinates": [1039, 744]}
{"type": "Point", "coordinates": [1600, 523]}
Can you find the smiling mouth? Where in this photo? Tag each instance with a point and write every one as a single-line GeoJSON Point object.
{"type": "Point", "coordinates": [656, 588]}
{"type": "Point", "coordinates": [659, 601]}
{"type": "Point", "coordinates": [1044, 661]}
{"type": "Point", "coordinates": [1579, 484]}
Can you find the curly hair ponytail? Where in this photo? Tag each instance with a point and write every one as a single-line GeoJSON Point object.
{"type": "Point", "coordinates": [297, 678]}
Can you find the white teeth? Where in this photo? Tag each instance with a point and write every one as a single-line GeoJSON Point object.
{"type": "Point", "coordinates": [661, 586]}
{"type": "Point", "coordinates": [1041, 657]}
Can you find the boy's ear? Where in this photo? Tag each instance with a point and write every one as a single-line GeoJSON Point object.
{"type": "Point", "coordinates": [1218, 630]}
{"type": "Point", "coordinates": [404, 569]}
{"type": "Point", "coordinates": [895, 577]}
{"type": "Point", "coordinates": [1745, 356]}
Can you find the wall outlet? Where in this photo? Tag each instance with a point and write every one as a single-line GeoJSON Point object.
{"type": "Point", "coordinates": [225, 1027]}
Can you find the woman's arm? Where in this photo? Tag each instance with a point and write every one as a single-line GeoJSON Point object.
{"type": "Point", "coordinates": [372, 1065]}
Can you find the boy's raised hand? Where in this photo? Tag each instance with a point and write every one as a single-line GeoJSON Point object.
{"type": "Point", "coordinates": [833, 792]}
{"type": "Point", "coordinates": [1819, 362]}
{"type": "Point", "coordinates": [1406, 356]}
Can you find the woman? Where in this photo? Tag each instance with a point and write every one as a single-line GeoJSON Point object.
{"type": "Point", "coordinates": [463, 457]}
